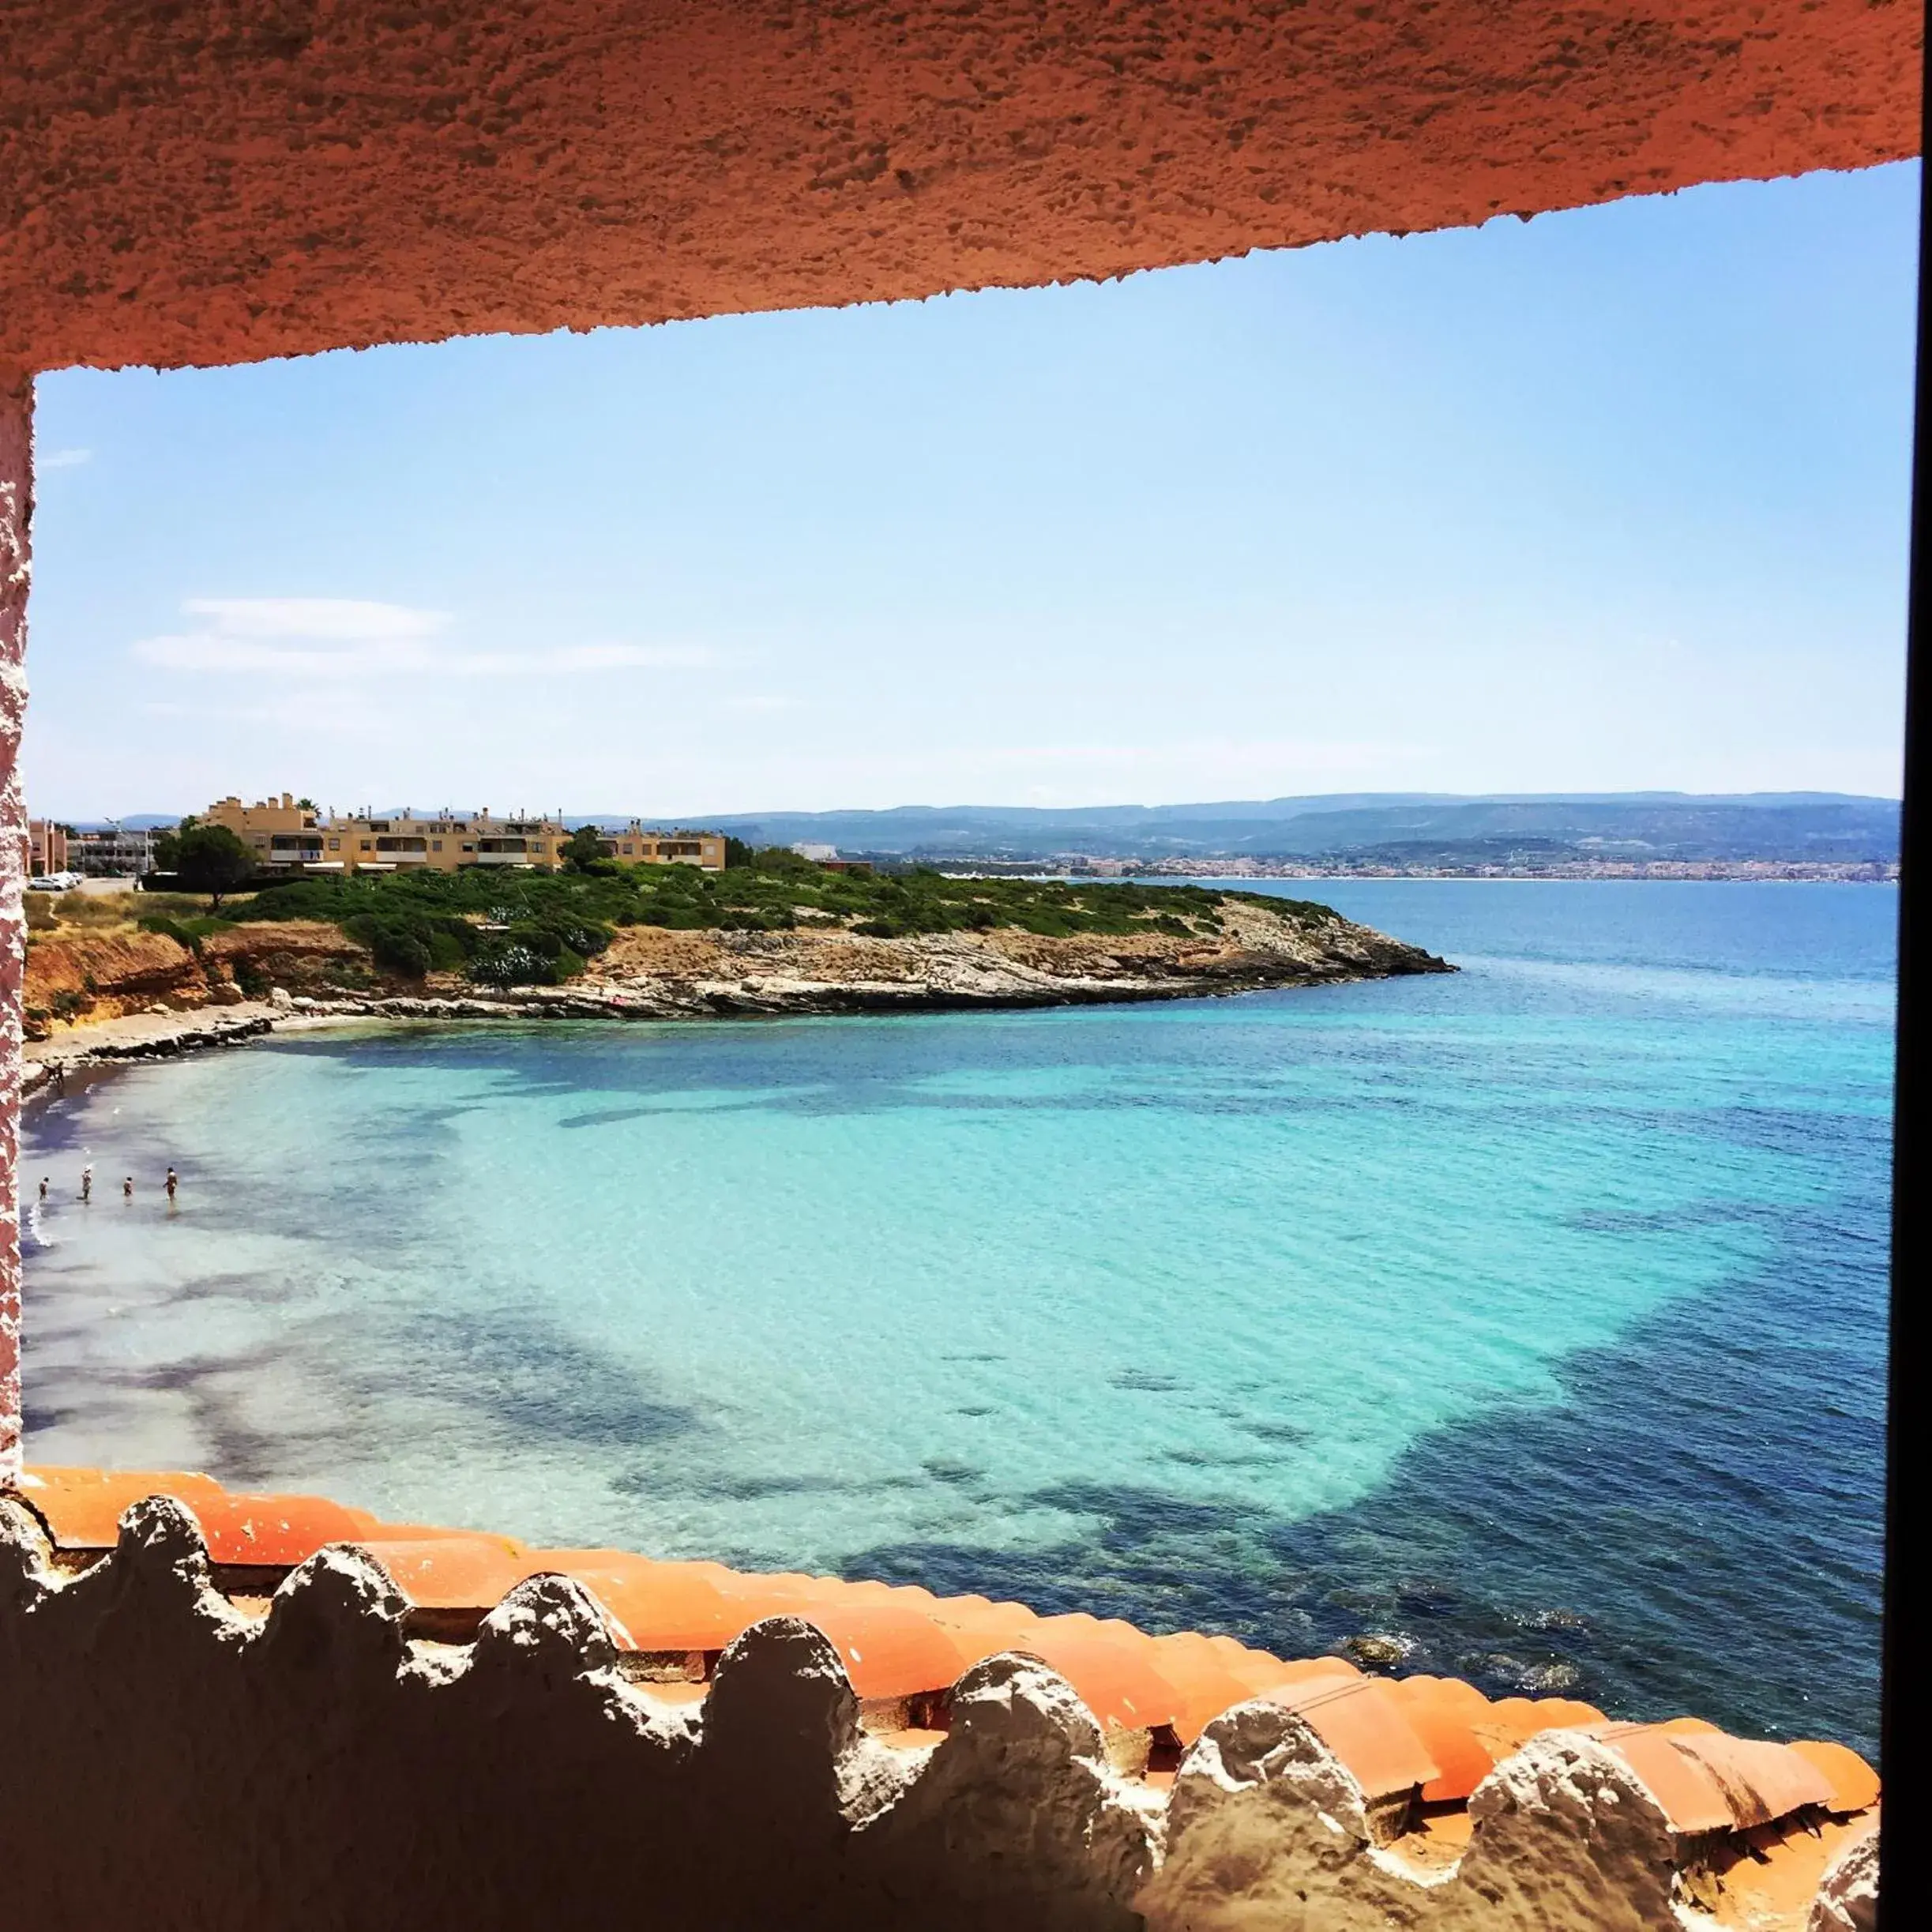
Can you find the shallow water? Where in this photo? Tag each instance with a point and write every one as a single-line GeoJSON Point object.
{"type": "Point", "coordinates": [1534, 1316]}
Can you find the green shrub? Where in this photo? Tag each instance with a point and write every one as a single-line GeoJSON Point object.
{"type": "Point", "coordinates": [450, 945]}
{"type": "Point", "coordinates": [507, 964]}
{"type": "Point", "coordinates": [169, 929]}
{"type": "Point", "coordinates": [417, 922]}
{"type": "Point", "coordinates": [400, 949]}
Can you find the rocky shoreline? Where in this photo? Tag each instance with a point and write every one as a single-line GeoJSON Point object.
{"type": "Point", "coordinates": [651, 973]}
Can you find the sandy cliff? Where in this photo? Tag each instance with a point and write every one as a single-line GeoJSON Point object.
{"type": "Point", "coordinates": [78, 978]}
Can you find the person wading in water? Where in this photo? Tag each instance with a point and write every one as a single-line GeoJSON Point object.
{"type": "Point", "coordinates": [173, 1182]}
{"type": "Point", "coordinates": [86, 1184]}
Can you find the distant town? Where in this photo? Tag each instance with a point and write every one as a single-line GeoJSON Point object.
{"type": "Point", "coordinates": [294, 835]}
{"type": "Point", "coordinates": [1795, 836]}
{"type": "Point", "coordinates": [1564, 867]}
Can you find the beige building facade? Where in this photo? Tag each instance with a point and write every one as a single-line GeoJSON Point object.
{"type": "Point", "coordinates": [291, 832]}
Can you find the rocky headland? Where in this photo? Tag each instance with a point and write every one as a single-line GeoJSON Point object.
{"type": "Point", "coordinates": [125, 994]}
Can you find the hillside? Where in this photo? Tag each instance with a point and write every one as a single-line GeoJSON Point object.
{"type": "Point", "coordinates": [1783, 826]}
{"type": "Point", "coordinates": [777, 935]}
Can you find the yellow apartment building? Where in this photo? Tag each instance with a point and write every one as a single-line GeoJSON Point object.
{"type": "Point", "coordinates": [289, 832]}
{"type": "Point", "coordinates": [634, 845]}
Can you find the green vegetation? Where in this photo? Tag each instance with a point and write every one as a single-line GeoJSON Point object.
{"type": "Point", "coordinates": [188, 931]}
{"type": "Point", "coordinates": [583, 849]}
{"type": "Point", "coordinates": [527, 928]}
{"type": "Point", "coordinates": [206, 859]}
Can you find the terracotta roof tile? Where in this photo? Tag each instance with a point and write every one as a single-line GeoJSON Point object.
{"type": "Point", "coordinates": [275, 1532]}
{"type": "Point", "coordinates": [1364, 1722]}
{"type": "Point", "coordinates": [999, 1625]}
{"type": "Point", "coordinates": [1449, 1717]}
{"type": "Point", "coordinates": [82, 1507]}
{"type": "Point", "coordinates": [1200, 1673]}
{"type": "Point", "coordinates": [1761, 1782]}
{"type": "Point", "coordinates": [1854, 1784]}
{"type": "Point", "coordinates": [1263, 1675]}
{"type": "Point", "coordinates": [1692, 1800]}
{"type": "Point", "coordinates": [1707, 1781]}
{"type": "Point", "coordinates": [660, 1606]}
{"type": "Point", "coordinates": [1512, 1721]}
{"type": "Point", "coordinates": [889, 1651]}
{"type": "Point", "coordinates": [470, 1574]}
{"type": "Point", "coordinates": [1116, 1676]}
{"type": "Point", "coordinates": [900, 1641]}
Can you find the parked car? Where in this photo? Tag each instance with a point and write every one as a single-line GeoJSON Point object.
{"type": "Point", "coordinates": [54, 882]}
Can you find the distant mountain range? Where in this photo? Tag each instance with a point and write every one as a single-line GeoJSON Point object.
{"type": "Point", "coordinates": [1398, 828]}
{"type": "Point", "coordinates": [1405, 829]}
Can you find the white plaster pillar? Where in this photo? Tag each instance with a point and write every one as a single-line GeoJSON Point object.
{"type": "Point", "coordinates": [16, 514]}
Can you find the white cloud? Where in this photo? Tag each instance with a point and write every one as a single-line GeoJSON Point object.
{"type": "Point", "coordinates": [334, 620]}
{"type": "Point", "coordinates": [315, 640]}
{"type": "Point", "coordinates": [61, 459]}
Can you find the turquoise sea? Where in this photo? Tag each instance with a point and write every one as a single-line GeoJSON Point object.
{"type": "Point", "coordinates": [1533, 1317]}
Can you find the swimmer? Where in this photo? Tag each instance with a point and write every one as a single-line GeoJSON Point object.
{"type": "Point", "coordinates": [127, 1188]}
{"type": "Point", "coordinates": [87, 1183]}
{"type": "Point", "coordinates": [43, 1191]}
{"type": "Point", "coordinates": [173, 1182]}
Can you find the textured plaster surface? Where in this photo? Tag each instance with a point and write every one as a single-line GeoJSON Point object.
{"type": "Point", "coordinates": [1269, 1830]}
{"type": "Point", "coordinates": [1847, 1899]}
{"type": "Point", "coordinates": [314, 1768]}
{"type": "Point", "coordinates": [214, 181]}
{"type": "Point", "coordinates": [16, 513]}
{"type": "Point", "coordinates": [177, 1759]}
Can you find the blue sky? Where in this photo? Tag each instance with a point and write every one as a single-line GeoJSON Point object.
{"type": "Point", "coordinates": [1612, 499]}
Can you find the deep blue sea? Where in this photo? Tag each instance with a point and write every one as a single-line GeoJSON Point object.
{"type": "Point", "coordinates": [1532, 1316]}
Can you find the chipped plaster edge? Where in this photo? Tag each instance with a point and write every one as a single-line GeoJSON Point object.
{"type": "Point", "coordinates": [15, 519]}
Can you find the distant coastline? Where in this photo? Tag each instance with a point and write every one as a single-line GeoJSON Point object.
{"type": "Point", "coordinates": [1702, 871]}
{"type": "Point", "coordinates": [1836, 837]}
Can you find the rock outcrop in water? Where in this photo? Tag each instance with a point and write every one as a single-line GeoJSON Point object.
{"type": "Point", "coordinates": [675, 973]}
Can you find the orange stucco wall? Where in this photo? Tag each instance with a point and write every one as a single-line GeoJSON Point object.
{"type": "Point", "coordinates": [207, 182]}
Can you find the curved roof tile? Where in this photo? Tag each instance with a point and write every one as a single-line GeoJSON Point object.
{"type": "Point", "coordinates": [1436, 1736]}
